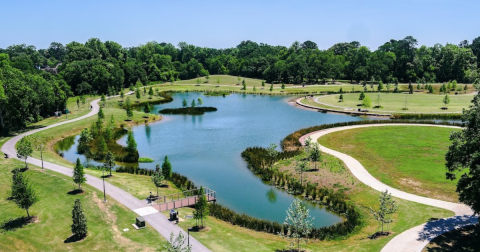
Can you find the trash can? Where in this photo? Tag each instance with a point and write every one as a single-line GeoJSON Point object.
{"type": "Point", "coordinates": [140, 222]}
{"type": "Point", "coordinates": [173, 215]}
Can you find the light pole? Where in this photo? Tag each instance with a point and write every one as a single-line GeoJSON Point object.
{"type": "Point", "coordinates": [103, 177]}
{"type": "Point", "coordinates": [188, 239]}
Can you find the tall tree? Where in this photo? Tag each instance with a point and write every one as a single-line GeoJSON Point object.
{"type": "Point", "coordinates": [78, 174]}
{"type": "Point", "coordinates": [201, 208]}
{"type": "Point", "coordinates": [463, 157]}
{"type": "Point", "coordinates": [298, 221]}
{"type": "Point", "coordinates": [79, 226]}
{"type": "Point", "coordinates": [24, 149]}
{"type": "Point", "coordinates": [84, 141]}
{"type": "Point", "coordinates": [131, 143]}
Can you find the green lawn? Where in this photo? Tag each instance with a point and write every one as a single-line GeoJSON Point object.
{"type": "Point", "coordinates": [235, 238]}
{"type": "Point", "coordinates": [410, 158]}
{"type": "Point", "coordinates": [391, 102]}
{"type": "Point", "coordinates": [106, 221]}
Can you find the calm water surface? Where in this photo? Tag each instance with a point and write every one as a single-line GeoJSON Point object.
{"type": "Point", "coordinates": [207, 148]}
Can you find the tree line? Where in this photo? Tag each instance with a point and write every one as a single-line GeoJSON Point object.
{"type": "Point", "coordinates": [97, 67]}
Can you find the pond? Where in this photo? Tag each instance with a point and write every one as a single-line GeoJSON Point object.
{"type": "Point", "coordinates": [207, 148]}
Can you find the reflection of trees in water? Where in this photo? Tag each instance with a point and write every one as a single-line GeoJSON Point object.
{"type": "Point", "coordinates": [65, 144]}
{"type": "Point", "coordinates": [272, 195]}
{"type": "Point", "coordinates": [148, 132]}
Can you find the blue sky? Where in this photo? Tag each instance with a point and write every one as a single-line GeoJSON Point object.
{"type": "Point", "coordinates": [222, 24]}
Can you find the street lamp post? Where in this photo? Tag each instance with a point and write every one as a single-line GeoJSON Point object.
{"type": "Point", "coordinates": [188, 239]}
{"type": "Point", "coordinates": [104, 196]}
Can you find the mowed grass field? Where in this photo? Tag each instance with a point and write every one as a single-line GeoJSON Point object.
{"type": "Point", "coordinates": [409, 158]}
{"type": "Point", "coordinates": [106, 221]}
{"type": "Point", "coordinates": [395, 102]}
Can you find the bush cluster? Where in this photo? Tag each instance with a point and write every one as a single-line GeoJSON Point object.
{"type": "Point", "coordinates": [444, 116]}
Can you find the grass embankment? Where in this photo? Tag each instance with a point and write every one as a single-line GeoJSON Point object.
{"type": "Point", "coordinates": [106, 221]}
{"type": "Point", "coordinates": [464, 239]}
{"type": "Point", "coordinates": [394, 102]}
{"type": "Point", "coordinates": [410, 158]}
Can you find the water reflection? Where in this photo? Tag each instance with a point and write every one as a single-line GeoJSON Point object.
{"type": "Point", "coordinates": [148, 132]}
{"type": "Point", "coordinates": [271, 196]}
{"type": "Point", "coordinates": [64, 144]}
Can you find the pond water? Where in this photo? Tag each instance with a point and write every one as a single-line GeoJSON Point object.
{"type": "Point", "coordinates": [207, 148]}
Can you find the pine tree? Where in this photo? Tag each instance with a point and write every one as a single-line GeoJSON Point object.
{"type": "Point", "coordinates": [200, 101]}
{"type": "Point", "coordinates": [101, 115]}
{"type": "Point", "coordinates": [410, 88]}
{"type": "Point", "coordinates": [146, 109]}
{"type": "Point", "coordinates": [271, 87]}
{"type": "Point", "coordinates": [263, 83]}
{"type": "Point", "coordinates": [131, 143]}
{"type": "Point", "coordinates": [166, 168]}
{"type": "Point", "coordinates": [102, 145]}
{"type": "Point", "coordinates": [254, 89]}
{"type": "Point", "coordinates": [79, 226]}
{"type": "Point", "coordinates": [283, 85]}
{"type": "Point", "coordinates": [150, 91]}
{"type": "Point", "coordinates": [137, 93]}
{"type": "Point", "coordinates": [184, 103]}
{"type": "Point", "coordinates": [109, 161]}
{"type": "Point", "coordinates": [362, 96]}
{"type": "Point", "coordinates": [122, 94]}
{"type": "Point", "coordinates": [78, 174]}
{"type": "Point", "coordinates": [446, 100]}
{"type": "Point", "coordinates": [341, 98]}
{"type": "Point", "coordinates": [193, 104]}
{"type": "Point", "coordinates": [244, 85]}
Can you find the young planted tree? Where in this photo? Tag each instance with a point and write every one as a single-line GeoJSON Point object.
{"type": "Point", "coordinates": [23, 193]}
{"type": "Point", "coordinates": [150, 92]}
{"type": "Point", "coordinates": [300, 167]}
{"type": "Point", "coordinates": [177, 244]}
{"type": "Point", "coordinates": [101, 115]}
{"type": "Point", "coordinates": [79, 226]}
{"type": "Point", "coordinates": [272, 153]}
{"type": "Point", "coordinates": [200, 101]}
{"type": "Point", "coordinates": [24, 149]}
{"type": "Point", "coordinates": [316, 154]}
{"type": "Point", "coordinates": [193, 104]}
{"type": "Point", "coordinates": [308, 145]}
{"type": "Point", "coordinates": [122, 94]}
{"type": "Point", "coordinates": [218, 81]}
{"type": "Point", "coordinates": [379, 98]}
{"type": "Point", "coordinates": [146, 109]}
{"type": "Point", "coordinates": [387, 207]}
{"type": "Point", "coordinates": [79, 174]}
{"type": "Point", "coordinates": [380, 86]}
{"type": "Point", "coordinates": [410, 88]}
{"type": "Point", "coordinates": [207, 78]}
{"type": "Point", "coordinates": [131, 143]}
{"type": "Point", "coordinates": [254, 89]}
{"type": "Point", "coordinates": [446, 101]}
{"type": "Point", "coordinates": [137, 93]}
{"type": "Point", "coordinates": [244, 85]}
{"type": "Point", "coordinates": [340, 99]}
{"type": "Point", "coordinates": [298, 221]}
{"type": "Point", "coordinates": [198, 81]}
{"type": "Point", "coordinates": [367, 103]}
{"type": "Point", "coordinates": [157, 177]}
{"type": "Point", "coordinates": [101, 146]}
{"type": "Point", "coordinates": [78, 103]}
{"type": "Point", "coordinates": [166, 168]}
{"type": "Point", "coordinates": [271, 87]}
{"type": "Point", "coordinates": [129, 111]}
{"type": "Point", "coordinates": [201, 208]}
{"type": "Point", "coordinates": [239, 79]}
{"type": "Point", "coordinates": [283, 85]}
{"type": "Point", "coordinates": [109, 161]}
{"type": "Point", "coordinates": [184, 103]}
{"type": "Point", "coordinates": [362, 96]}
{"type": "Point", "coordinates": [465, 88]}
{"type": "Point", "coordinates": [263, 83]}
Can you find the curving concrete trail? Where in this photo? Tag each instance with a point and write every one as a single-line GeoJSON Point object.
{"type": "Point", "coordinates": [154, 218]}
{"type": "Point", "coordinates": [416, 238]}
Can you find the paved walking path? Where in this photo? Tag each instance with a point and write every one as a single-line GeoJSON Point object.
{"type": "Point", "coordinates": [154, 218]}
{"type": "Point", "coordinates": [416, 238]}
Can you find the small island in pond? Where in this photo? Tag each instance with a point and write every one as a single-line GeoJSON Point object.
{"type": "Point", "coordinates": [187, 111]}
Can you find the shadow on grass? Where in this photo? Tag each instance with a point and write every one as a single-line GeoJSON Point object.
{"type": "Point", "coordinates": [12, 224]}
{"type": "Point", "coordinates": [435, 228]}
{"type": "Point", "coordinates": [75, 192]}
{"type": "Point", "coordinates": [73, 238]}
{"type": "Point", "coordinates": [463, 239]}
